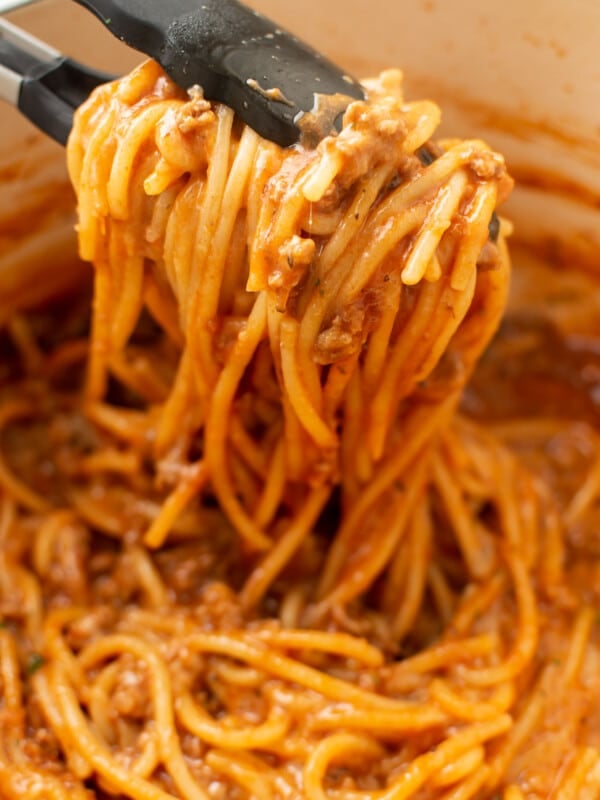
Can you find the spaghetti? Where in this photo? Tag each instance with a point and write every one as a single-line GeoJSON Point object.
{"type": "Point", "coordinates": [251, 547]}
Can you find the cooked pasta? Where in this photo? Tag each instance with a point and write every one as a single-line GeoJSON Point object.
{"type": "Point", "coordinates": [252, 545]}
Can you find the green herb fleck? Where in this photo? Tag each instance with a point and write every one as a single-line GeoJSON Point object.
{"type": "Point", "coordinates": [3, 624]}
{"type": "Point", "coordinates": [108, 21]}
{"type": "Point", "coordinates": [35, 662]}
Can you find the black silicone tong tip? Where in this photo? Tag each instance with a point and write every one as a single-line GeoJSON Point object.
{"type": "Point", "coordinates": [238, 57]}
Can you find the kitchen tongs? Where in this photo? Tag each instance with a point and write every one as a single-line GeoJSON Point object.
{"type": "Point", "coordinates": [238, 57]}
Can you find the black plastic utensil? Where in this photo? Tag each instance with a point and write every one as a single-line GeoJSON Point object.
{"type": "Point", "coordinates": [236, 55]}
{"type": "Point", "coordinates": [42, 83]}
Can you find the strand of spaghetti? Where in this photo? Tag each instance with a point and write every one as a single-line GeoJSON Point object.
{"type": "Point", "coordinates": [208, 215]}
{"type": "Point", "coordinates": [274, 486]}
{"type": "Point", "coordinates": [339, 252]}
{"type": "Point", "coordinates": [298, 395]}
{"type": "Point", "coordinates": [140, 85]}
{"type": "Point", "coordinates": [157, 227]}
{"type": "Point", "coordinates": [423, 117]}
{"type": "Point", "coordinates": [93, 110]}
{"type": "Point", "coordinates": [476, 217]}
{"type": "Point", "coordinates": [12, 694]}
{"type": "Point", "coordinates": [424, 766]}
{"type": "Point", "coordinates": [322, 174]}
{"type": "Point", "coordinates": [240, 676]}
{"type": "Point", "coordinates": [351, 582]}
{"type": "Point", "coordinates": [412, 719]}
{"type": "Point", "coordinates": [509, 513]}
{"type": "Point", "coordinates": [367, 190]}
{"type": "Point", "coordinates": [46, 539]}
{"type": "Point", "coordinates": [235, 271]}
{"type": "Point", "coordinates": [257, 584]}
{"type": "Point", "coordinates": [337, 381]}
{"type": "Point", "coordinates": [341, 644]}
{"type": "Point", "coordinates": [400, 377]}
{"type": "Point", "coordinates": [294, 435]}
{"type": "Point", "coordinates": [292, 607]}
{"type": "Point", "coordinates": [206, 302]}
{"type": "Point", "coordinates": [31, 598]}
{"type": "Point", "coordinates": [526, 639]}
{"type": "Point", "coordinates": [191, 482]}
{"type": "Point", "coordinates": [93, 174]}
{"type": "Point", "coordinates": [99, 707]}
{"type": "Point", "coordinates": [520, 732]}
{"type": "Point", "coordinates": [96, 378]}
{"type": "Point", "coordinates": [397, 355]}
{"type": "Point", "coordinates": [436, 223]}
{"type": "Point", "coordinates": [480, 559]}
{"type": "Point", "coordinates": [586, 764]}
{"type": "Point", "coordinates": [162, 702]}
{"type": "Point", "coordinates": [120, 462]}
{"type": "Point", "coordinates": [217, 425]}
{"type": "Point", "coordinates": [77, 762]}
{"type": "Point", "coordinates": [25, 341]}
{"type": "Point", "coordinates": [250, 777]}
{"type": "Point", "coordinates": [140, 618]}
{"type": "Point", "coordinates": [129, 143]}
{"type": "Point", "coordinates": [136, 372]}
{"type": "Point", "coordinates": [444, 654]}
{"type": "Point", "coordinates": [475, 601]}
{"type": "Point", "coordinates": [176, 409]}
{"type": "Point", "coordinates": [161, 304]}
{"type": "Point", "coordinates": [246, 650]}
{"type": "Point", "coordinates": [585, 495]}
{"type": "Point", "coordinates": [127, 425]}
{"type": "Point", "coordinates": [126, 310]}
{"type": "Point", "coordinates": [471, 786]}
{"type": "Point", "coordinates": [10, 411]}
{"type": "Point", "coordinates": [250, 451]}
{"type": "Point", "coordinates": [414, 569]}
{"type": "Point", "coordinates": [149, 578]}
{"type": "Point", "coordinates": [350, 441]}
{"type": "Point", "coordinates": [178, 245]}
{"type": "Point", "coordinates": [528, 513]}
{"type": "Point", "coordinates": [378, 345]}
{"type": "Point", "coordinates": [458, 706]}
{"type": "Point", "coordinates": [459, 769]}
{"type": "Point", "coordinates": [436, 174]}
{"type": "Point", "coordinates": [577, 646]}
{"type": "Point", "coordinates": [380, 243]}
{"type": "Point", "coordinates": [422, 423]}
{"type": "Point", "coordinates": [338, 747]}
{"type": "Point", "coordinates": [82, 740]}
{"type": "Point", "coordinates": [229, 733]}
{"type": "Point", "coordinates": [66, 355]}
{"type": "Point", "coordinates": [363, 462]}
{"type": "Point", "coordinates": [98, 513]}
{"type": "Point", "coordinates": [553, 551]}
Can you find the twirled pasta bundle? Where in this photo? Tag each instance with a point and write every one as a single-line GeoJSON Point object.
{"type": "Point", "coordinates": [327, 303]}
